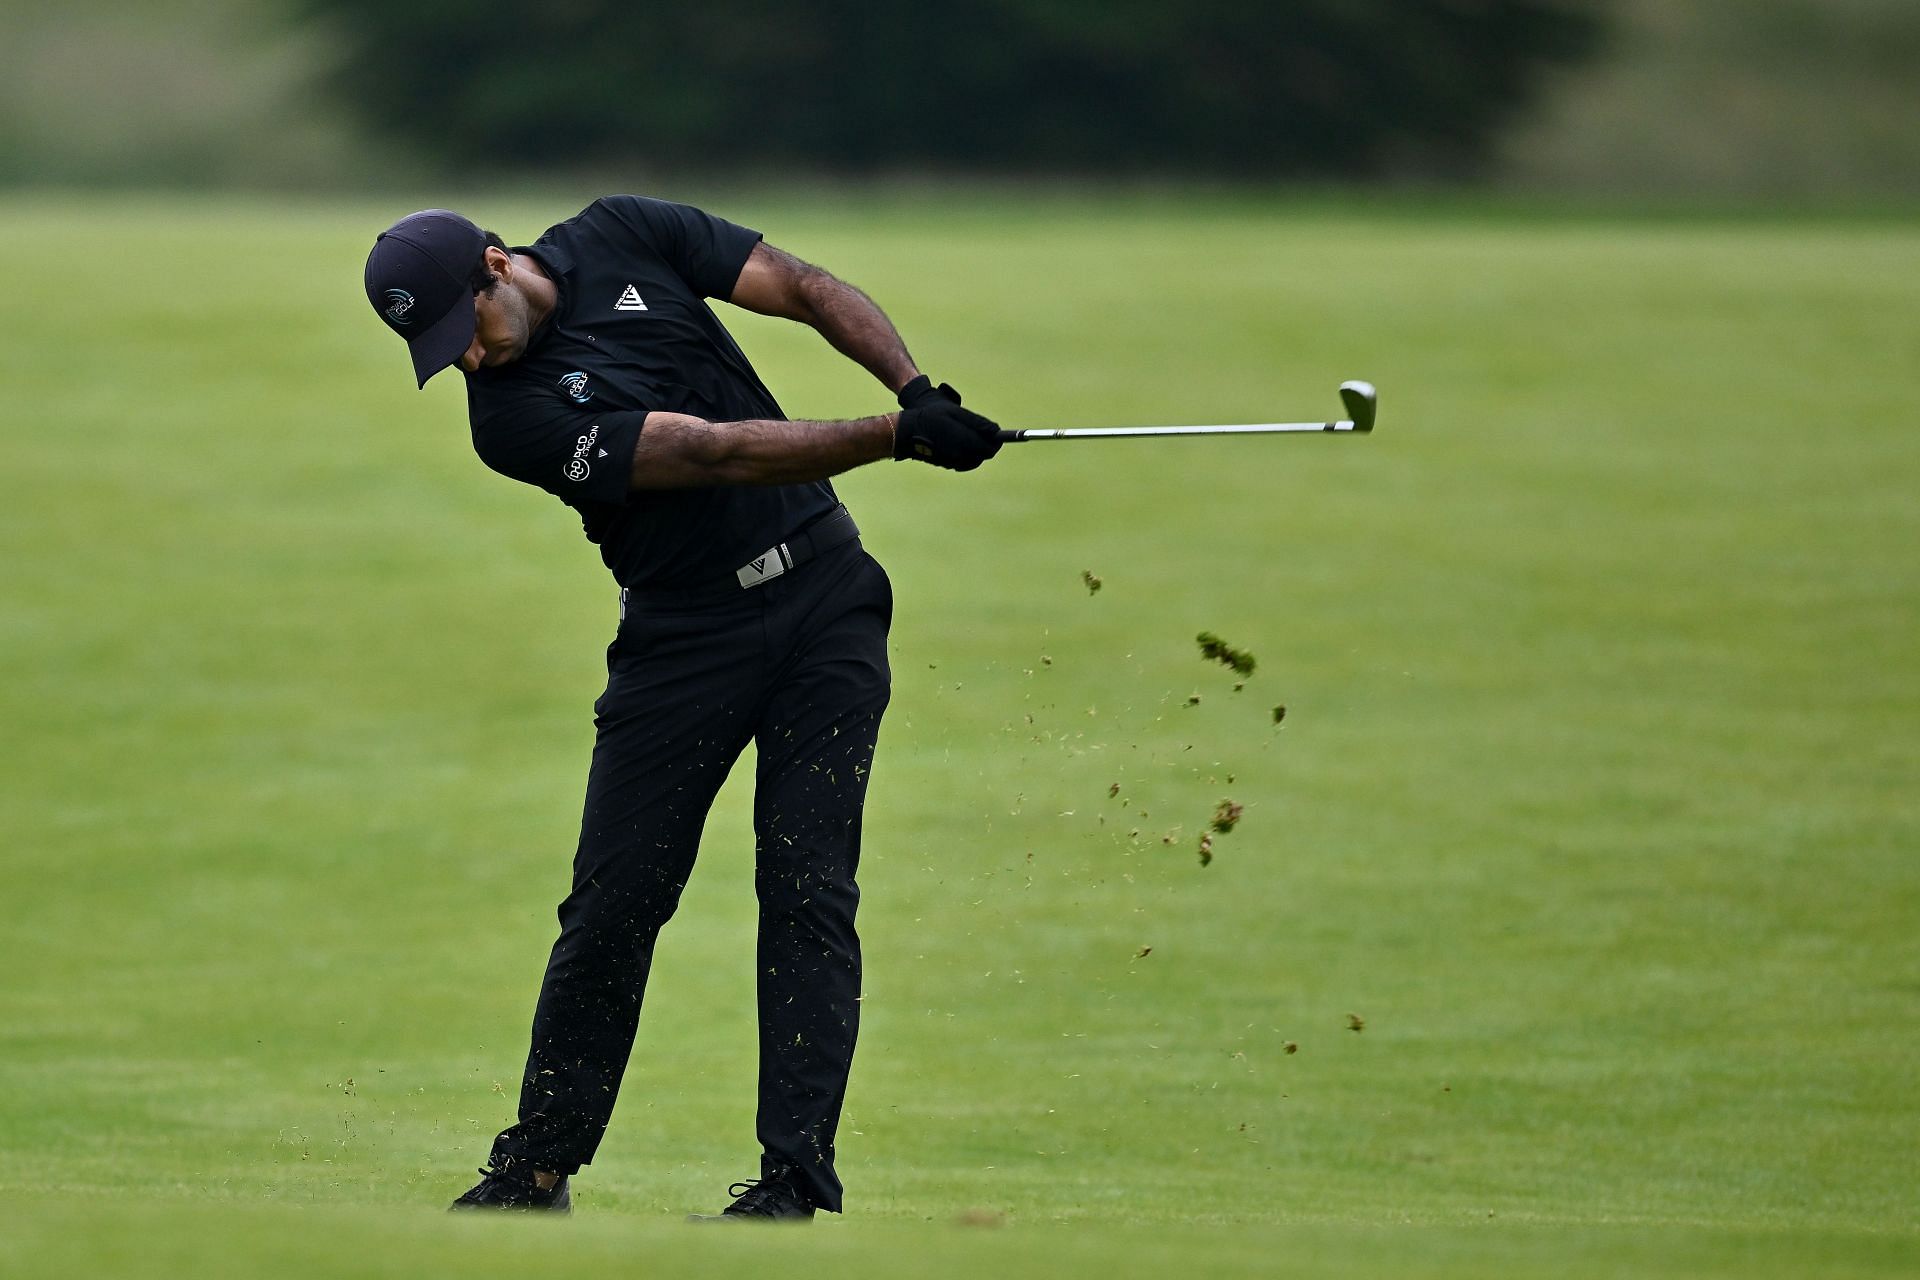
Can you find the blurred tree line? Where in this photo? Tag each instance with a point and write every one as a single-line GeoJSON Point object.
{"type": "Point", "coordinates": [1235, 88]}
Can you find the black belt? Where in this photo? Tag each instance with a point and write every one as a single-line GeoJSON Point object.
{"type": "Point", "coordinates": [835, 529]}
{"type": "Point", "coordinates": [824, 534]}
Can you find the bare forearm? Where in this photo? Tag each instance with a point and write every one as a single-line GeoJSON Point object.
{"type": "Point", "coordinates": [857, 328]}
{"type": "Point", "coordinates": [775, 283]}
{"type": "Point", "coordinates": [679, 452]}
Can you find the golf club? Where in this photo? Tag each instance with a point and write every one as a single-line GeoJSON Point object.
{"type": "Point", "coordinates": [1359, 397]}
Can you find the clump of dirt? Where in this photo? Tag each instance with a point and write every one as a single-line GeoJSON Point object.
{"type": "Point", "coordinates": [1356, 1023]}
{"type": "Point", "coordinates": [1226, 816]}
{"type": "Point", "coordinates": [1093, 583]}
{"type": "Point", "coordinates": [1279, 713]}
{"type": "Point", "coordinates": [1290, 1046]}
{"type": "Point", "coordinates": [1143, 953]}
{"type": "Point", "coordinates": [1113, 791]}
{"type": "Point", "coordinates": [1214, 649]}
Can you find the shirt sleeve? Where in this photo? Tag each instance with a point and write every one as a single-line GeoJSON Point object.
{"type": "Point", "coordinates": [706, 251]}
{"type": "Point", "coordinates": [576, 456]}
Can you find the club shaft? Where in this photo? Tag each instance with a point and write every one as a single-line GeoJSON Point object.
{"type": "Point", "coordinates": [1120, 433]}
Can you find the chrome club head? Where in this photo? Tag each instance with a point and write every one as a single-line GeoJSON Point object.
{"type": "Point", "coordinates": [1362, 402]}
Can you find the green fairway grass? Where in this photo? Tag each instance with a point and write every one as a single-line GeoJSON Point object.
{"type": "Point", "coordinates": [1596, 802]}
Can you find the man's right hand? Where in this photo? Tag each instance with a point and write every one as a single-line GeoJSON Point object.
{"type": "Point", "coordinates": [937, 430]}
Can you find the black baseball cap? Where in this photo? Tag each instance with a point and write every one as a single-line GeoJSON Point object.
{"type": "Point", "coordinates": [417, 279]}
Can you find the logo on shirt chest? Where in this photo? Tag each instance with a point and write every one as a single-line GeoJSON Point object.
{"type": "Point", "coordinates": [629, 300]}
{"type": "Point", "coordinates": [575, 385]}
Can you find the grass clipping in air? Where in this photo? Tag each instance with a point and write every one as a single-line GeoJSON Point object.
{"type": "Point", "coordinates": [1225, 817]}
{"type": "Point", "coordinates": [1214, 649]}
{"type": "Point", "coordinates": [1242, 663]}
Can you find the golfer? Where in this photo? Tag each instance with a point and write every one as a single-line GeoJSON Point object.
{"type": "Point", "coordinates": [748, 610]}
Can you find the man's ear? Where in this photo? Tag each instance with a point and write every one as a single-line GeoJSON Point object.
{"type": "Point", "coordinates": [499, 262]}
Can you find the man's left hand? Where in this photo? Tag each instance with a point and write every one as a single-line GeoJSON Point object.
{"type": "Point", "coordinates": [921, 392]}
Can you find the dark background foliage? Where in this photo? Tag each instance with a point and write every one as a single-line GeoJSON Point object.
{"type": "Point", "coordinates": [1336, 88]}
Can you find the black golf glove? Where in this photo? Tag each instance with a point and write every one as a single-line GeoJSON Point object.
{"type": "Point", "coordinates": [940, 432]}
{"type": "Point", "coordinates": [921, 392]}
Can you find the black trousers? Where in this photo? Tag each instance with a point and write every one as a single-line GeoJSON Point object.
{"type": "Point", "coordinates": [798, 665]}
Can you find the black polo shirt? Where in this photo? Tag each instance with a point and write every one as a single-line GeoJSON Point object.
{"type": "Point", "coordinates": [631, 334]}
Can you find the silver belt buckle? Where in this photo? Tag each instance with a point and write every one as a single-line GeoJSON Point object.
{"type": "Point", "coordinates": [769, 564]}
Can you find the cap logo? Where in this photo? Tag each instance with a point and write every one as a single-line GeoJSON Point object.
{"type": "Point", "coordinates": [575, 385]}
{"type": "Point", "coordinates": [399, 303]}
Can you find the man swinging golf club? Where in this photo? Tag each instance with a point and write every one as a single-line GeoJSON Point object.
{"type": "Point", "coordinates": [749, 610]}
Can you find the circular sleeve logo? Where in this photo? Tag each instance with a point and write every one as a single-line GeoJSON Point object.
{"type": "Point", "coordinates": [577, 468]}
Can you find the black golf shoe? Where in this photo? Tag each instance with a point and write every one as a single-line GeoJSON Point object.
{"type": "Point", "coordinates": [514, 1188]}
{"type": "Point", "coordinates": [768, 1200]}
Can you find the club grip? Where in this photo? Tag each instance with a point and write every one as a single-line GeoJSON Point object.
{"type": "Point", "coordinates": [1012, 437]}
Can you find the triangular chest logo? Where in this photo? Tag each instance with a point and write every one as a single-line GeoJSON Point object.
{"type": "Point", "coordinates": [630, 300]}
